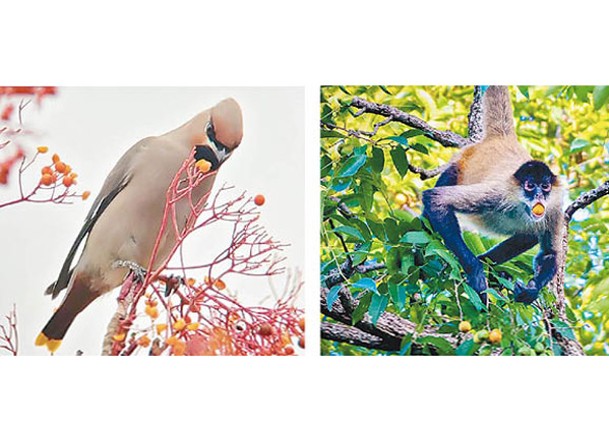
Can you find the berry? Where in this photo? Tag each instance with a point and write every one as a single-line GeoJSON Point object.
{"type": "Point", "coordinates": [259, 200]}
{"type": "Point", "coordinates": [465, 326]}
{"type": "Point", "coordinates": [495, 336]}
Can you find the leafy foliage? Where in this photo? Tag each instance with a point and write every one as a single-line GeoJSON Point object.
{"type": "Point", "coordinates": [367, 169]}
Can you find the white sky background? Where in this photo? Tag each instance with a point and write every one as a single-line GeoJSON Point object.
{"type": "Point", "coordinates": [90, 128]}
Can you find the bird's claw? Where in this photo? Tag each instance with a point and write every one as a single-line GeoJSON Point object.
{"type": "Point", "coordinates": [138, 272]}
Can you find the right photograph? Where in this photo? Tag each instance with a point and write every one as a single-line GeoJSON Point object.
{"type": "Point", "coordinates": [464, 220]}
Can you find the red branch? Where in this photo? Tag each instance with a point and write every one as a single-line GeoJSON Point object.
{"type": "Point", "coordinates": [202, 318]}
{"type": "Point", "coordinates": [9, 338]}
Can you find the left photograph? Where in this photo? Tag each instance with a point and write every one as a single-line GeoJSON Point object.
{"type": "Point", "coordinates": [162, 221]}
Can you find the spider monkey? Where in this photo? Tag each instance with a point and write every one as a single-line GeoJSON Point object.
{"type": "Point", "coordinates": [497, 186]}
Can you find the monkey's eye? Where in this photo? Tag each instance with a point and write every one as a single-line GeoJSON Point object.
{"type": "Point", "coordinates": [546, 187]}
{"type": "Point", "coordinates": [528, 186]}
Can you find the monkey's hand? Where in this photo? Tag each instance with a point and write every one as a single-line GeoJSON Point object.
{"type": "Point", "coordinates": [525, 293]}
{"type": "Point", "coordinates": [477, 280]}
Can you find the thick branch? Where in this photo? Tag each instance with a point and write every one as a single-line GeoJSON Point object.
{"type": "Point", "coordinates": [444, 137]}
{"type": "Point", "coordinates": [386, 334]}
{"type": "Point", "coordinates": [587, 198]}
{"type": "Point", "coordinates": [427, 173]}
{"type": "Point", "coordinates": [347, 270]}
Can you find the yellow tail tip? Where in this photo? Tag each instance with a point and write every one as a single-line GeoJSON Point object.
{"type": "Point", "coordinates": [41, 340]}
{"type": "Point", "coordinates": [53, 345]}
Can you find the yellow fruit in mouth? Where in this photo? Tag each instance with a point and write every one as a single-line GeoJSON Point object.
{"type": "Point", "coordinates": [539, 209]}
{"type": "Point", "coordinates": [203, 165]}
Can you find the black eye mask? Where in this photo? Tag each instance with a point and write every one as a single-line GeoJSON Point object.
{"type": "Point", "coordinates": [214, 156]}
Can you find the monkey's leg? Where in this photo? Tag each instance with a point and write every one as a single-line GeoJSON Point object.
{"type": "Point", "coordinates": [510, 248]}
{"type": "Point", "coordinates": [545, 266]}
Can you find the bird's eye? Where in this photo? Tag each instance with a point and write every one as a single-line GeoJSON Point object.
{"type": "Point", "coordinates": [546, 187]}
{"type": "Point", "coordinates": [528, 186]}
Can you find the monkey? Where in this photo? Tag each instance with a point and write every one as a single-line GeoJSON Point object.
{"type": "Point", "coordinates": [495, 185]}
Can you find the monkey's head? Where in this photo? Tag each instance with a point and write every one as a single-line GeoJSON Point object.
{"type": "Point", "coordinates": [536, 181]}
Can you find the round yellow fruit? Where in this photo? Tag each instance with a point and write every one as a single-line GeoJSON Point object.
{"type": "Point", "coordinates": [465, 326]}
{"type": "Point", "coordinates": [539, 209]}
{"type": "Point", "coordinates": [495, 336]}
{"type": "Point", "coordinates": [400, 199]}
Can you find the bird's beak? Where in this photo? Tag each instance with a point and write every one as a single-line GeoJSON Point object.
{"type": "Point", "coordinates": [214, 152]}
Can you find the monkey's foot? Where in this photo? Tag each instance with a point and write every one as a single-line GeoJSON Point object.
{"type": "Point", "coordinates": [138, 271]}
{"type": "Point", "coordinates": [525, 294]}
{"type": "Point", "coordinates": [478, 282]}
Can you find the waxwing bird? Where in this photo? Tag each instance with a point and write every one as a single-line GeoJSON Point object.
{"type": "Point", "coordinates": [122, 226]}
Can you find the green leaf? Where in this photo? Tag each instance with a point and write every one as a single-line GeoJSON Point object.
{"type": "Point", "coordinates": [362, 308]}
{"type": "Point", "coordinates": [378, 159]}
{"type": "Point", "coordinates": [352, 165]}
{"type": "Point", "coordinates": [342, 88]}
{"type": "Point", "coordinates": [392, 230]}
{"type": "Point", "coordinates": [341, 184]}
{"type": "Point", "coordinates": [377, 229]}
{"type": "Point", "coordinates": [466, 348]}
{"type": "Point", "coordinates": [397, 294]}
{"type": "Point", "coordinates": [349, 231]}
{"type": "Point", "coordinates": [377, 307]}
{"type": "Point", "coordinates": [583, 92]}
{"type": "Point", "coordinates": [564, 329]}
{"type": "Point", "coordinates": [600, 95]}
{"type": "Point", "coordinates": [506, 283]}
{"type": "Point", "coordinates": [496, 294]}
{"type": "Point", "coordinates": [385, 90]}
{"type": "Point", "coordinates": [393, 261]}
{"type": "Point", "coordinates": [578, 144]}
{"type": "Point", "coordinates": [400, 161]}
{"type": "Point", "coordinates": [416, 237]}
{"type": "Point", "coordinates": [367, 284]}
{"type": "Point", "coordinates": [399, 139]}
{"type": "Point", "coordinates": [474, 298]}
{"type": "Point", "coordinates": [332, 296]}
{"type": "Point", "coordinates": [443, 345]}
{"type": "Point", "coordinates": [524, 90]}
{"type": "Point", "coordinates": [412, 133]}
{"type": "Point", "coordinates": [420, 148]}
{"type": "Point", "coordinates": [331, 133]}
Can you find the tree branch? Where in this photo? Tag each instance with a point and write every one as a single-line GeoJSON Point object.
{"type": "Point", "coordinates": [444, 137]}
{"type": "Point", "coordinates": [586, 198]}
{"type": "Point", "coordinates": [386, 334]}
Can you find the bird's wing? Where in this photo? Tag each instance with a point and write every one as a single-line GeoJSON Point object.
{"type": "Point", "coordinates": [116, 181]}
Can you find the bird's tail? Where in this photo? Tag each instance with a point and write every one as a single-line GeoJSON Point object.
{"type": "Point", "coordinates": [497, 112]}
{"type": "Point", "coordinates": [78, 298]}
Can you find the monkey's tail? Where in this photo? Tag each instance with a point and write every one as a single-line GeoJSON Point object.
{"type": "Point", "coordinates": [498, 114]}
{"type": "Point", "coordinates": [78, 298]}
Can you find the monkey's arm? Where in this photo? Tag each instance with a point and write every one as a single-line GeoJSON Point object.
{"type": "Point", "coordinates": [440, 206]}
{"type": "Point", "coordinates": [545, 264]}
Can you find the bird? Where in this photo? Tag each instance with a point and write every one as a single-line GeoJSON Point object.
{"type": "Point", "coordinates": [122, 225]}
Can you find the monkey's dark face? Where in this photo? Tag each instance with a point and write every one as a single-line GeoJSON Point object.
{"type": "Point", "coordinates": [536, 181]}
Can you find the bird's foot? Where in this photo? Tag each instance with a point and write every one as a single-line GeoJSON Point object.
{"type": "Point", "coordinates": [172, 282]}
{"type": "Point", "coordinates": [138, 272]}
